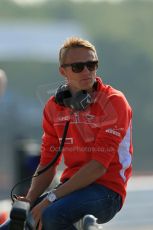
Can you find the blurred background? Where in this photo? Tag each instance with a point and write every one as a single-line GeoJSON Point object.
{"type": "Point", "coordinates": [31, 33]}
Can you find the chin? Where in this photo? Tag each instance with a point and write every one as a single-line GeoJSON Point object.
{"type": "Point", "coordinates": [87, 86]}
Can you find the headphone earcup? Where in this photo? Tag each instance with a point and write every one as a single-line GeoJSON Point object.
{"type": "Point", "coordinates": [78, 101]}
{"type": "Point", "coordinates": [62, 95]}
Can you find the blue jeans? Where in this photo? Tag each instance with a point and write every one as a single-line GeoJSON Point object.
{"type": "Point", "coordinates": [95, 199]}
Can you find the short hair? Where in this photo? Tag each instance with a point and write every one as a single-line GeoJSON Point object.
{"type": "Point", "coordinates": [74, 42]}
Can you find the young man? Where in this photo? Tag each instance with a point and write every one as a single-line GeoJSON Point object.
{"type": "Point", "coordinates": [97, 150]}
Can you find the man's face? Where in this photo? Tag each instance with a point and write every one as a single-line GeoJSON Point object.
{"type": "Point", "coordinates": [83, 80]}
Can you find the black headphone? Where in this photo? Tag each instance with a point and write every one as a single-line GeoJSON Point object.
{"type": "Point", "coordinates": [78, 101]}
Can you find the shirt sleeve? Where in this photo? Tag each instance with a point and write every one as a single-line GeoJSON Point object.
{"type": "Point", "coordinates": [50, 142]}
{"type": "Point", "coordinates": [115, 123]}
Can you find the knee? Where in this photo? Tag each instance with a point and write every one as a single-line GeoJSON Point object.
{"type": "Point", "coordinates": [51, 218]}
{"type": "Point", "coordinates": [47, 215]}
{"type": "Point", "coordinates": [54, 217]}
{"type": "Point", "coordinates": [50, 213]}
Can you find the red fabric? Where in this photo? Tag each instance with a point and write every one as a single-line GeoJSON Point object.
{"type": "Point", "coordinates": [101, 132]}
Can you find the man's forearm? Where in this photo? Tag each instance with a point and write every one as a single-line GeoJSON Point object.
{"type": "Point", "coordinates": [85, 176]}
{"type": "Point", "coordinates": [40, 184]}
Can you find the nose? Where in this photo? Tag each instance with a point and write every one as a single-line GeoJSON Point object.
{"type": "Point", "coordinates": [85, 70]}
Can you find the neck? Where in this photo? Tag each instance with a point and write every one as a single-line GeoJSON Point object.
{"type": "Point", "coordinates": [74, 90]}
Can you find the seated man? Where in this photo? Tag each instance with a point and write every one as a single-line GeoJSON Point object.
{"type": "Point", "coordinates": [97, 149]}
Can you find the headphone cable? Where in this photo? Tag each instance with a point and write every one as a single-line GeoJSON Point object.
{"type": "Point", "coordinates": [58, 153]}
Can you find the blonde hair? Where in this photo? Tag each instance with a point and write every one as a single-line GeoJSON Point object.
{"type": "Point", "coordinates": [74, 42]}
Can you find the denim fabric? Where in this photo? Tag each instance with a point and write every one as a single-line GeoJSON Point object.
{"type": "Point", "coordinates": [95, 199]}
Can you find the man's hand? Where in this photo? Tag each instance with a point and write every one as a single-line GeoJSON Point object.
{"type": "Point", "coordinates": [21, 198]}
{"type": "Point", "coordinates": [37, 211]}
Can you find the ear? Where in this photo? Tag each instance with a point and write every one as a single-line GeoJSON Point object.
{"type": "Point", "coordinates": [62, 71]}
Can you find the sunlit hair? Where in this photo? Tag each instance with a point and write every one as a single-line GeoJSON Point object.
{"type": "Point", "coordinates": [74, 42]}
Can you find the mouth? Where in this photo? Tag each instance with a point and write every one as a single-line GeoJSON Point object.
{"type": "Point", "coordinates": [86, 79]}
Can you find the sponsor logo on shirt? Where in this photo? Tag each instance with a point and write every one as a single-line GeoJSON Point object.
{"type": "Point", "coordinates": [112, 131]}
{"type": "Point", "coordinates": [68, 140]}
{"type": "Point", "coordinates": [90, 117]}
{"type": "Point", "coordinates": [65, 118]}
